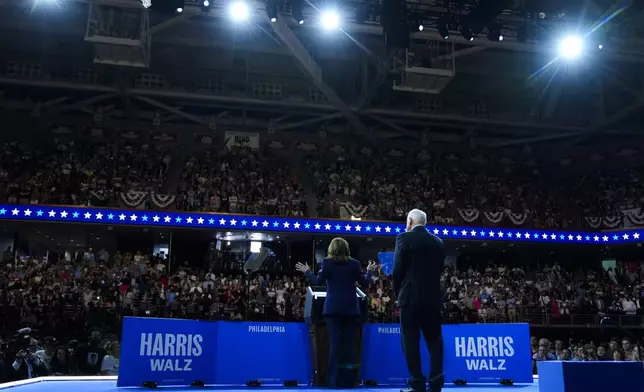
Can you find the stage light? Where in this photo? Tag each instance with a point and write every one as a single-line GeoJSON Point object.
{"type": "Point", "coordinates": [600, 46]}
{"type": "Point", "coordinates": [571, 47]}
{"type": "Point", "coordinates": [239, 11]}
{"type": "Point", "coordinates": [330, 20]}
{"type": "Point", "coordinates": [271, 11]}
{"type": "Point", "coordinates": [494, 32]}
{"type": "Point", "coordinates": [467, 33]}
{"type": "Point", "coordinates": [179, 10]}
{"type": "Point", "coordinates": [296, 10]}
{"type": "Point", "coordinates": [443, 30]}
{"type": "Point", "coordinates": [421, 27]}
{"type": "Point", "coordinates": [206, 3]}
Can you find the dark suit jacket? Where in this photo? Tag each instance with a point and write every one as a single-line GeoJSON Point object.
{"type": "Point", "coordinates": [418, 264]}
{"type": "Point", "coordinates": [340, 278]}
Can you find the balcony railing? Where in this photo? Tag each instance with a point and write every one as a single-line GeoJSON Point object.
{"type": "Point", "coordinates": [538, 318]}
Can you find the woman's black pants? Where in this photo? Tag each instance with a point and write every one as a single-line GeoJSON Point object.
{"type": "Point", "coordinates": [343, 364]}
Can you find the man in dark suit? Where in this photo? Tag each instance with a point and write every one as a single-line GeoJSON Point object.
{"type": "Point", "coordinates": [418, 264]}
{"type": "Point", "coordinates": [341, 308]}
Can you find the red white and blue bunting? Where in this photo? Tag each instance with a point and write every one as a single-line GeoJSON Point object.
{"type": "Point", "coordinates": [624, 218]}
{"type": "Point", "coordinates": [213, 221]}
{"type": "Point", "coordinates": [471, 215]}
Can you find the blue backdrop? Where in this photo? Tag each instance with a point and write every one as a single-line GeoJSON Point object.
{"type": "Point", "coordinates": [269, 352]}
{"type": "Point", "coordinates": [178, 352]}
{"type": "Point", "coordinates": [477, 353]}
{"type": "Point", "coordinates": [167, 351]}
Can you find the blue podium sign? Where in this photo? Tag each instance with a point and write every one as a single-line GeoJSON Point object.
{"type": "Point", "coordinates": [476, 353]}
{"type": "Point", "coordinates": [268, 352]}
{"type": "Point", "coordinates": [382, 356]}
{"type": "Point", "coordinates": [487, 353]}
{"type": "Point", "coordinates": [167, 352]}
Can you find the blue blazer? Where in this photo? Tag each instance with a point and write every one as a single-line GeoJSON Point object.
{"type": "Point", "coordinates": [340, 278]}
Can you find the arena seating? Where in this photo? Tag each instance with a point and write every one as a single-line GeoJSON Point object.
{"type": "Point", "coordinates": [450, 186]}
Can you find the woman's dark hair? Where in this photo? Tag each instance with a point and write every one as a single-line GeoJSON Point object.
{"type": "Point", "coordinates": [338, 250]}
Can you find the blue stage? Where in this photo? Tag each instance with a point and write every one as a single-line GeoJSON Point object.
{"type": "Point", "coordinates": [108, 384]}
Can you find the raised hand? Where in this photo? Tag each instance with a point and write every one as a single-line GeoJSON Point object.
{"type": "Point", "coordinates": [302, 267]}
{"type": "Point", "coordinates": [372, 266]}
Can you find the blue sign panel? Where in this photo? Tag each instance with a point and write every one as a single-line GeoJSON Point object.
{"type": "Point", "coordinates": [268, 352]}
{"type": "Point", "coordinates": [487, 353]}
{"type": "Point", "coordinates": [382, 356]}
{"type": "Point", "coordinates": [167, 352]}
{"type": "Point", "coordinates": [476, 353]}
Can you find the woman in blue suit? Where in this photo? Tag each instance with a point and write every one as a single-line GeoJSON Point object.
{"type": "Point", "coordinates": [341, 307]}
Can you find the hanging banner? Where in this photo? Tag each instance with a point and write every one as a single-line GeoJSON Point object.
{"type": "Point", "coordinates": [167, 351]}
{"type": "Point", "coordinates": [476, 353]}
{"type": "Point", "coordinates": [235, 139]}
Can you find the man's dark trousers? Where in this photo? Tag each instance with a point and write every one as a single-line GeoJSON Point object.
{"type": "Point", "coordinates": [414, 321]}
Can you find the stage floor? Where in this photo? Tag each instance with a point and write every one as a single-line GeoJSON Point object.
{"type": "Point", "coordinates": [108, 384]}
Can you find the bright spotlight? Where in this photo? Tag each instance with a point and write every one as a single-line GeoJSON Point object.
{"type": "Point", "coordinates": [206, 3]}
{"type": "Point", "coordinates": [330, 20]}
{"type": "Point", "coordinates": [571, 47]}
{"type": "Point", "coordinates": [600, 47]}
{"type": "Point", "coordinates": [239, 11]}
{"type": "Point", "coordinates": [179, 10]}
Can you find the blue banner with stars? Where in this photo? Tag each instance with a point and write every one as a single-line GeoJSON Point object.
{"type": "Point", "coordinates": [131, 217]}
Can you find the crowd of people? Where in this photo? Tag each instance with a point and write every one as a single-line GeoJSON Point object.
{"type": "Point", "coordinates": [241, 181]}
{"type": "Point", "coordinates": [79, 172]}
{"type": "Point", "coordinates": [375, 184]}
{"type": "Point", "coordinates": [64, 296]}
{"type": "Point", "coordinates": [444, 183]}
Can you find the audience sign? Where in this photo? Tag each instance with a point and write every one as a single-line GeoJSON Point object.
{"type": "Point", "coordinates": [167, 352]}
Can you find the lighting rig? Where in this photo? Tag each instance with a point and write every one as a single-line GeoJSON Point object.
{"type": "Point", "coordinates": [402, 20]}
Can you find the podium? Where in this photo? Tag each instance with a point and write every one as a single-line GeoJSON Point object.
{"type": "Point", "coordinates": [319, 336]}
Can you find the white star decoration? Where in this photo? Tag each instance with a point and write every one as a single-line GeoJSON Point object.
{"type": "Point", "coordinates": [311, 225]}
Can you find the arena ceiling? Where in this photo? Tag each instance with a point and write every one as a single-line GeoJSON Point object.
{"type": "Point", "coordinates": [198, 70]}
